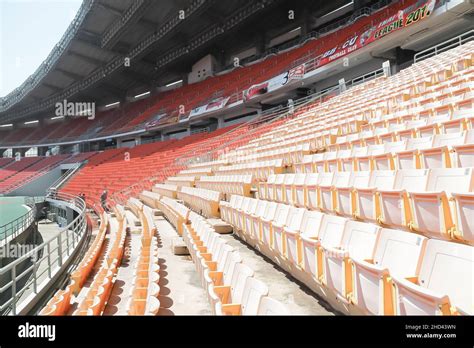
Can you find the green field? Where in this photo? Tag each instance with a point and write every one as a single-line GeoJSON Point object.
{"type": "Point", "coordinates": [11, 208]}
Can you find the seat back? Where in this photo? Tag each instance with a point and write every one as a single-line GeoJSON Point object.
{"type": "Point", "coordinates": [233, 259]}
{"type": "Point", "coordinates": [450, 180]}
{"type": "Point", "coordinates": [447, 269]}
{"type": "Point", "coordinates": [281, 214]}
{"type": "Point", "coordinates": [359, 239]}
{"type": "Point", "coordinates": [270, 210]}
{"type": "Point", "coordinates": [341, 179]}
{"type": "Point", "coordinates": [240, 275]}
{"type": "Point", "coordinates": [311, 223]}
{"type": "Point", "coordinates": [395, 146]}
{"type": "Point", "coordinates": [295, 218]}
{"type": "Point", "coordinates": [419, 143]}
{"type": "Point", "coordinates": [269, 306]}
{"type": "Point", "coordinates": [261, 207]}
{"type": "Point", "coordinates": [399, 252]}
{"type": "Point", "coordinates": [448, 139]}
{"type": "Point", "coordinates": [382, 179]}
{"type": "Point", "coordinates": [224, 255]}
{"type": "Point", "coordinates": [411, 179]}
{"type": "Point", "coordinates": [359, 179]}
{"type": "Point", "coordinates": [331, 230]}
{"type": "Point", "coordinates": [253, 293]}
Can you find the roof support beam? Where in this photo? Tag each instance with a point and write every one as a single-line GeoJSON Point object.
{"type": "Point", "coordinates": [110, 9]}
{"type": "Point", "coordinates": [85, 58]}
{"type": "Point", "coordinates": [69, 74]}
{"type": "Point", "coordinates": [136, 10]}
{"type": "Point", "coordinates": [54, 88]}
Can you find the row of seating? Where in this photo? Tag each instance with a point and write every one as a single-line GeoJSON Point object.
{"type": "Point", "coordinates": [60, 303]}
{"type": "Point", "coordinates": [83, 270]}
{"type": "Point", "coordinates": [350, 259]}
{"type": "Point", "coordinates": [455, 150]}
{"type": "Point", "coordinates": [167, 190]}
{"type": "Point", "coordinates": [259, 170]}
{"type": "Point", "coordinates": [181, 181]}
{"type": "Point", "coordinates": [150, 198]}
{"type": "Point", "coordinates": [196, 172]}
{"type": "Point", "coordinates": [436, 202]}
{"type": "Point", "coordinates": [344, 118]}
{"type": "Point", "coordinates": [231, 287]}
{"type": "Point", "coordinates": [227, 184]}
{"type": "Point", "coordinates": [201, 200]}
{"type": "Point", "coordinates": [99, 292]}
{"type": "Point", "coordinates": [288, 155]}
{"type": "Point", "coordinates": [144, 293]}
{"type": "Point", "coordinates": [177, 214]}
{"type": "Point", "coordinates": [401, 129]}
{"type": "Point", "coordinates": [416, 128]}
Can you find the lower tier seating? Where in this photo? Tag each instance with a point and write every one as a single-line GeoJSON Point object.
{"type": "Point", "coordinates": [362, 267]}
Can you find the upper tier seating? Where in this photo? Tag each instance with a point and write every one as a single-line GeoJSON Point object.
{"type": "Point", "coordinates": [135, 115]}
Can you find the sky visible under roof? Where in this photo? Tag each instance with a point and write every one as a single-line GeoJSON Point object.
{"type": "Point", "coordinates": [29, 29]}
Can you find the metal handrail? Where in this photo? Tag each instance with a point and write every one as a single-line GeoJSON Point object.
{"type": "Point", "coordinates": [444, 46]}
{"type": "Point", "coordinates": [46, 259]}
{"type": "Point", "coordinates": [64, 177]}
{"type": "Point", "coordinates": [13, 228]}
{"type": "Point", "coordinates": [366, 77]}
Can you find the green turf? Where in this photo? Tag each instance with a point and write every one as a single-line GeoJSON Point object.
{"type": "Point", "coordinates": [11, 208]}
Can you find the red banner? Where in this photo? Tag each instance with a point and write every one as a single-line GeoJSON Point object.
{"type": "Point", "coordinates": [404, 18]}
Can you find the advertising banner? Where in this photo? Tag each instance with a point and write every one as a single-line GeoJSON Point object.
{"type": "Point", "coordinates": [404, 18]}
{"type": "Point", "coordinates": [275, 83]}
{"type": "Point", "coordinates": [214, 105]}
{"type": "Point", "coordinates": [154, 122]}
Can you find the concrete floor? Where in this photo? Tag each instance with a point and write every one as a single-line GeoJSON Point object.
{"type": "Point", "coordinates": [297, 297]}
{"type": "Point", "coordinates": [180, 289]}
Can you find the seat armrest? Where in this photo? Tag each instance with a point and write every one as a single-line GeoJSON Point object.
{"type": "Point", "coordinates": [231, 309]}
{"type": "Point", "coordinates": [212, 265]}
{"type": "Point", "coordinates": [223, 292]}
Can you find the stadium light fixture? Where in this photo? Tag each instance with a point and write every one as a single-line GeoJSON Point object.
{"type": "Point", "coordinates": [142, 94]}
{"type": "Point", "coordinates": [6, 125]}
{"type": "Point", "coordinates": [112, 104]}
{"type": "Point", "coordinates": [337, 9]}
{"type": "Point", "coordinates": [174, 83]}
{"type": "Point", "coordinates": [31, 122]}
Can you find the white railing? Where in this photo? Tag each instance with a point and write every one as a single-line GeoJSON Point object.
{"type": "Point", "coordinates": [32, 272]}
{"type": "Point", "coordinates": [444, 46]}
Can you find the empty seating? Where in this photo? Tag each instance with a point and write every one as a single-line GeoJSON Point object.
{"type": "Point", "coordinates": [202, 200]}
{"type": "Point", "coordinates": [167, 190]}
{"type": "Point", "coordinates": [228, 184]}
{"type": "Point", "coordinates": [372, 289]}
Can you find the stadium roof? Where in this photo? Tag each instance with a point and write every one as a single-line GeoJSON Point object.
{"type": "Point", "coordinates": [161, 38]}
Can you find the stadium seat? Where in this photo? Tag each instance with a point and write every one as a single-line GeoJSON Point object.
{"type": "Point", "coordinates": [269, 306]}
{"type": "Point", "coordinates": [358, 242]}
{"type": "Point", "coordinates": [396, 253]}
{"type": "Point", "coordinates": [395, 209]}
{"type": "Point", "coordinates": [329, 232]}
{"type": "Point", "coordinates": [431, 207]}
{"type": "Point", "coordinates": [442, 285]}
